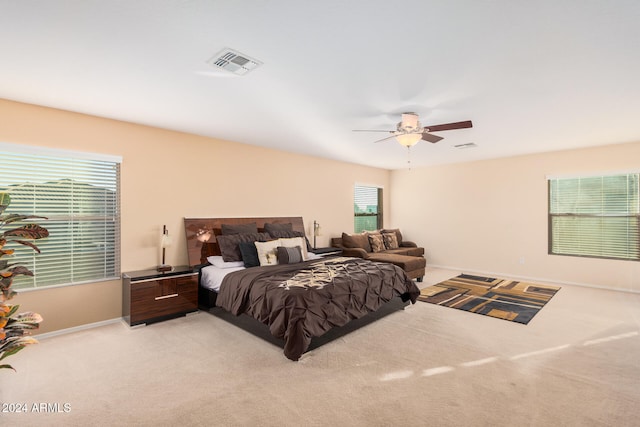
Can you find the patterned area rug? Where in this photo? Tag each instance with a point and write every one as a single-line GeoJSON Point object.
{"type": "Point", "coordinates": [504, 299]}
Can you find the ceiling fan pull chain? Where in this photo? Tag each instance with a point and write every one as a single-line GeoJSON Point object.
{"type": "Point", "coordinates": [409, 157]}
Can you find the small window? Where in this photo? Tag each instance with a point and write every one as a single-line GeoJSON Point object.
{"type": "Point", "coordinates": [79, 193]}
{"type": "Point", "coordinates": [367, 208]}
{"type": "Point", "coordinates": [595, 216]}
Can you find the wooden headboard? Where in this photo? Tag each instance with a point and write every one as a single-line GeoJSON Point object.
{"type": "Point", "coordinates": [201, 232]}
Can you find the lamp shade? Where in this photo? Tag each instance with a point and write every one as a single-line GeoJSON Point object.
{"type": "Point", "coordinates": [410, 121]}
{"type": "Point", "coordinates": [165, 241]}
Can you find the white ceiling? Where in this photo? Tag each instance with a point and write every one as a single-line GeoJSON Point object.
{"type": "Point", "coordinates": [533, 76]}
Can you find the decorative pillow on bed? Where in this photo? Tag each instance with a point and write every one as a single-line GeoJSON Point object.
{"type": "Point", "coordinates": [228, 229]}
{"type": "Point", "coordinates": [289, 255]}
{"type": "Point", "coordinates": [360, 240]}
{"type": "Point", "coordinates": [267, 252]}
{"type": "Point", "coordinates": [229, 244]}
{"type": "Point", "coordinates": [274, 227]}
{"type": "Point", "coordinates": [285, 234]}
{"type": "Point", "coordinates": [220, 263]}
{"type": "Point", "coordinates": [296, 242]}
{"type": "Point", "coordinates": [249, 254]}
{"type": "Point", "coordinates": [390, 240]}
{"type": "Point", "coordinates": [377, 242]}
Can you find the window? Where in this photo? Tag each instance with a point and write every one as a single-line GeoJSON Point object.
{"type": "Point", "coordinates": [595, 216]}
{"type": "Point", "coordinates": [367, 208]}
{"type": "Point", "coordinates": [79, 194]}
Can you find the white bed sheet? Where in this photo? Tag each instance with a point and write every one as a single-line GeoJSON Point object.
{"type": "Point", "coordinates": [212, 276]}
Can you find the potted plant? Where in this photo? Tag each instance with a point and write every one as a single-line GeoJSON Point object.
{"type": "Point", "coordinates": [15, 328]}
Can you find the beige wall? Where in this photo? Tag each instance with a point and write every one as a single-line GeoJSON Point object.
{"type": "Point", "coordinates": [169, 175]}
{"type": "Point", "coordinates": [491, 216]}
{"type": "Point", "coordinates": [480, 217]}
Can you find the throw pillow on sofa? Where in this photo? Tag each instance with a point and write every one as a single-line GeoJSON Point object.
{"type": "Point", "coordinates": [356, 241]}
{"type": "Point", "coordinates": [396, 231]}
{"type": "Point", "coordinates": [390, 240]}
{"type": "Point", "coordinates": [377, 242]}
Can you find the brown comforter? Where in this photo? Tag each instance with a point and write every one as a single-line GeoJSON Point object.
{"type": "Point", "coordinates": [305, 300]}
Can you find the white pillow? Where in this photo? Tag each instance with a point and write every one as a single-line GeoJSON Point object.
{"type": "Point", "coordinates": [292, 242]}
{"type": "Point", "coordinates": [268, 252]}
{"type": "Point", "coordinates": [220, 263]}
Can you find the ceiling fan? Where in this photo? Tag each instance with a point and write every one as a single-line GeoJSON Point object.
{"type": "Point", "coordinates": [409, 131]}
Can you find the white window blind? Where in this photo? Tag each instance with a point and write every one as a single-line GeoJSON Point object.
{"type": "Point", "coordinates": [367, 208]}
{"type": "Point", "coordinates": [596, 216]}
{"type": "Point", "coordinates": [80, 196]}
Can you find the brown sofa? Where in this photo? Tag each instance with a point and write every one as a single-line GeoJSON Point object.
{"type": "Point", "coordinates": [384, 246]}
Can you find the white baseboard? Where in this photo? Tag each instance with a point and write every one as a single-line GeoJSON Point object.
{"type": "Point", "coordinates": [77, 328]}
{"type": "Point", "coordinates": [540, 280]}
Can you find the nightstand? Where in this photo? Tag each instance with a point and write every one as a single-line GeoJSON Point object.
{"type": "Point", "coordinates": [149, 296]}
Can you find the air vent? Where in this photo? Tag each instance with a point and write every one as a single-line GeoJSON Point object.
{"type": "Point", "coordinates": [234, 62]}
{"type": "Point", "coordinates": [467, 145]}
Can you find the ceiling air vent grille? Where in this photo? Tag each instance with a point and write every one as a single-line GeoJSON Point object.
{"type": "Point", "coordinates": [234, 62]}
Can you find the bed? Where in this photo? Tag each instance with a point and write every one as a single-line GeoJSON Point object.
{"type": "Point", "coordinates": [299, 296]}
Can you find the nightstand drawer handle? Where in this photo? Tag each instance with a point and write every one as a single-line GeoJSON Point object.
{"type": "Point", "coordinates": [166, 296]}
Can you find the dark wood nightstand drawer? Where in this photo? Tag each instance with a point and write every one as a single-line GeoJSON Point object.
{"type": "Point", "coordinates": [155, 298]}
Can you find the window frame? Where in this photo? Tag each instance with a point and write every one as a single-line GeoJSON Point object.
{"type": "Point", "coordinates": [94, 165]}
{"type": "Point", "coordinates": [628, 243]}
{"type": "Point", "coordinates": [379, 215]}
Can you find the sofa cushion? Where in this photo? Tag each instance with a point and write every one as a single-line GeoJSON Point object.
{"type": "Point", "coordinates": [360, 240]}
{"type": "Point", "coordinates": [407, 263]}
{"type": "Point", "coordinates": [406, 251]}
{"type": "Point", "coordinates": [414, 251]}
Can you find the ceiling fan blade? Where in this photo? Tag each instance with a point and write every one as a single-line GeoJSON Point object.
{"type": "Point", "coordinates": [431, 138]}
{"type": "Point", "coordinates": [449, 126]}
{"type": "Point", "coordinates": [385, 139]}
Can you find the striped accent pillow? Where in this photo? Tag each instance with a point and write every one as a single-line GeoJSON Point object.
{"type": "Point", "coordinates": [290, 255]}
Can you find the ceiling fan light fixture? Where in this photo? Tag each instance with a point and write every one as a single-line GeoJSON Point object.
{"type": "Point", "coordinates": [410, 120]}
{"type": "Point", "coordinates": [409, 124]}
{"type": "Point", "coordinates": [408, 139]}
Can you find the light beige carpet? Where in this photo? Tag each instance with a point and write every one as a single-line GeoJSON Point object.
{"type": "Point", "coordinates": [575, 364]}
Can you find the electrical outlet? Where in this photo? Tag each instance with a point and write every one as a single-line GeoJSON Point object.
{"type": "Point", "coordinates": [521, 260]}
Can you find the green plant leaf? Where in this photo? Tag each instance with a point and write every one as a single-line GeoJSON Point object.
{"type": "Point", "coordinates": [8, 219]}
{"type": "Point", "coordinates": [7, 294]}
{"type": "Point", "coordinates": [13, 351]}
{"type": "Point", "coordinates": [12, 310]}
{"type": "Point", "coordinates": [5, 201]}
{"type": "Point", "coordinates": [15, 342]}
{"type": "Point", "coordinates": [21, 269]}
{"type": "Point", "coordinates": [15, 330]}
{"type": "Point", "coordinates": [28, 320]}
{"type": "Point", "coordinates": [6, 252]}
{"type": "Point", "coordinates": [29, 231]}
{"type": "Point", "coordinates": [31, 245]}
